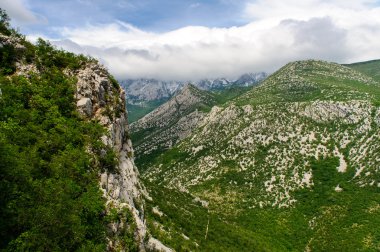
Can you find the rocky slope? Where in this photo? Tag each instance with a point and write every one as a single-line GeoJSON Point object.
{"type": "Point", "coordinates": [170, 123]}
{"type": "Point", "coordinates": [142, 90]}
{"type": "Point", "coordinates": [100, 98]}
{"type": "Point", "coordinates": [301, 150]}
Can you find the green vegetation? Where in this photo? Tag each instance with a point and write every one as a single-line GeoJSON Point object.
{"type": "Point", "coordinates": [225, 95]}
{"type": "Point", "coordinates": [50, 199]}
{"type": "Point", "coordinates": [4, 23]}
{"type": "Point", "coordinates": [184, 223]}
{"type": "Point", "coordinates": [126, 231]}
{"type": "Point", "coordinates": [47, 57]}
{"type": "Point", "coordinates": [370, 68]}
{"type": "Point", "coordinates": [313, 80]}
{"type": "Point", "coordinates": [135, 112]}
{"type": "Point", "coordinates": [322, 219]}
{"type": "Point", "coordinates": [50, 157]}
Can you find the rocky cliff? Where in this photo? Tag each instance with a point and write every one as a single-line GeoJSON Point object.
{"type": "Point", "coordinates": [100, 98]}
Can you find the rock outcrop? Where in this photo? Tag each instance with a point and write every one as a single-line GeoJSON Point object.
{"type": "Point", "coordinates": [100, 98]}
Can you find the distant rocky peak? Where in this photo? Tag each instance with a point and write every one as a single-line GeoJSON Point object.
{"type": "Point", "coordinates": [249, 79]}
{"type": "Point", "coordinates": [151, 89]}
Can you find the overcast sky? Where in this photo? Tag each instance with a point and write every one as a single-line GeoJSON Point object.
{"type": "Point", "coordinates": [190, 40]}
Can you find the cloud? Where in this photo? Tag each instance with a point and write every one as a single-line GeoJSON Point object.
{"type": "Point", "coordinates": [18, 11]}
{"type": "Point", "coordinates": [303, 10]}
{"type": "Point", "coordinates": [195, 5]}
{"type": "Point", "coordinates": [276, 33]}
{"type": "Point", "coordinates": [318, 38]}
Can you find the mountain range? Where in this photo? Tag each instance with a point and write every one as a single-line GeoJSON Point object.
{"type": "Point", "coordinates": [292, 164]}
{"type": "Point", "coordinates": [144, 95]}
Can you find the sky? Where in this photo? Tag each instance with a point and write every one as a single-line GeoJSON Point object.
{"type": "Point", "coordinates": [192, 40]}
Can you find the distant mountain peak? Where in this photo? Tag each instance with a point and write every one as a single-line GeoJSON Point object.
{"type": "Point", "coordinates": [144, 90]}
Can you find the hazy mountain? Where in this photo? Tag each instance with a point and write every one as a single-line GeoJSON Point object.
{"type": "Point", "coordinates": [250, 79]}
{"type": "Point", "coordinates": [151, 89]}
{"type": "Point", "coordinates": [144, 95]}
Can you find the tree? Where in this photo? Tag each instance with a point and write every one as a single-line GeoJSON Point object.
{"type": "Point", "coordinates": [4, 18]}
{"type": "Point", "coordinates": [4, 21]}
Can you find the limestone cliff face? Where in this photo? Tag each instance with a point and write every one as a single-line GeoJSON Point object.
{"type": "Point", "coordinates": [100, 98]}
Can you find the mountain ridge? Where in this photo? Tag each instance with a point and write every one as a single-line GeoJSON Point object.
{"type": "Point", "coordinates": [169, 123]}
{"type": "Point", "coordinates": [138, 90]}
{"type": "Point", "coordinates": [144, 95]}
{"type": "Point", "coordinates": [371, 68]}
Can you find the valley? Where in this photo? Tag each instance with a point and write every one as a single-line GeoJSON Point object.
{"type": "Point", "coordinates": [287, 161]}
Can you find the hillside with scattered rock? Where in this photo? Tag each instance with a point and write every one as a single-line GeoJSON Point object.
{"type": "Point", "coordinates": [291, 164]}
{"type": "Point", "coordinates": [170, 123]}
{"type": "Point", "coordinates": [300, 151]}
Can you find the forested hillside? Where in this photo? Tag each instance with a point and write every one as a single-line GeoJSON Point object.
{"type": "Point", "coordinates": [51, 155]}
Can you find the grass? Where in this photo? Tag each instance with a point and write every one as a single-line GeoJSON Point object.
{"type": "Point", "coordinates": [135, 112]}
{"type": "Point", "coordinates": [370, 68]}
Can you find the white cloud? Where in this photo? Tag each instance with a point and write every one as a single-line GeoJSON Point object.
{"type": "Point", "coordinates": [19, 12]}
{"type": "Point", "coordinates": [278, 32]}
